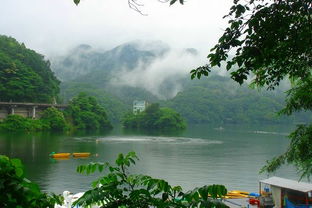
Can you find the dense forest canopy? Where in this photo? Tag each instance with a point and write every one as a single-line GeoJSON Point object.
{"type": "Point", "coordinates": [25, 76]}
{"type": "Point", "coordinates": [219, 100]}
{"type": "Point", "coordinates": [154, 117]}
{"type": "Point", "coordinates": [85, 113]}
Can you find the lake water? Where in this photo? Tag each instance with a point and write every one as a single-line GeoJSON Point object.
{"type": "Point", "coordinates": [200, 155]}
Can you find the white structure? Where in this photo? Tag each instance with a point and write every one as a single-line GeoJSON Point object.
{"type": "Point", "coordinates": [139, 106]}
{"type": "Point", "coordinates": [287, 193]}
{"type": "Point", "coordinates": [69, 199]}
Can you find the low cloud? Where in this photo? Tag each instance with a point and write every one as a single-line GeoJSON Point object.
{"type": "Point", "coordinates": [167, 71]}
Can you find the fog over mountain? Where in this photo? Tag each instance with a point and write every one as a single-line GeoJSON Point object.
{"type": "Point", "coordinates": [152, 66]}
{"type": "Point", "coordinates": [155, 72]}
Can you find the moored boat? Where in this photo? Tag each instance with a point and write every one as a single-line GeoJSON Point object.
{"type": "Point", "coordinates": [60, 155]}
{"type": "Point", "coordinates": [81, 154]}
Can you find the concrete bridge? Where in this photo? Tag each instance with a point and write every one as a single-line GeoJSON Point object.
{"type": "Point", "coordinates": [30, 110]}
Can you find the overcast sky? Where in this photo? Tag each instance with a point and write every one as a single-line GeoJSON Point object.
{"type": "Point", "coordinates": [53, 26]}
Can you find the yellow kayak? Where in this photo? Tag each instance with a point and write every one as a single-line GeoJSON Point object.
{"type": "Point", "coordinates": [236, 194]}
{"type": "Point", "coordinates": [81, 154]}
{"type": "Point", "coordinates": [60, 155]}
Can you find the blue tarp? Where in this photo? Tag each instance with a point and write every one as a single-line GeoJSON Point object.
{"type": "Point", "coordinates": [291, 205]}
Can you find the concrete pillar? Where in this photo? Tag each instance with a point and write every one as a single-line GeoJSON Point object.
{"type": "Point", "coordinates": [34, 112]}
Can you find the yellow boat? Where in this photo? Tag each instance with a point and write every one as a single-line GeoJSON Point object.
{"type": "Point", "coordinates": [60, 155]}
{"type": "Point", "coordinates": [237, 194]}
{"type": "Point", "coordinates": [81, 154]}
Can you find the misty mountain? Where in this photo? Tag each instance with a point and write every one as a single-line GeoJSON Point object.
{"type": "Point", "coordinates": [95, 72]}
{"type": "Point", "coordinates": [220, 100]}
{"type": "Point", "coordinates": [133, 71]}
{"type": "Point", "coordinates": [83, 59]}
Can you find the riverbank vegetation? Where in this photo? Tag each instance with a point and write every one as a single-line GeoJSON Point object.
{"type": "Point", "coordinates": [51, 120]}
{"type": "Point", "coordinates": [154, 117]}
{"type": "Point", "coordinates": [83, 113]}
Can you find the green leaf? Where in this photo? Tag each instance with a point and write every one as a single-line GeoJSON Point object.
{"type": "Point", "coordinates": [193, 75]}
{"type": "Point", "coordinates": [19, 172]}
{"type": "Point", "coordinates": [120, 160]}
{"type": "Point", "coordinates": [101, 167]}
{"type": "Point", "coordinates": [172, 2]}
{"type": "Point", "coordinates": [77, 2]}
{"type": "Point", "coordinates": [17, 163]}
{"type": "Point", "coordinates": [165, 196]}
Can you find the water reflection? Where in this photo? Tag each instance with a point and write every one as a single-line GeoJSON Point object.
{"type": "Point", "coordinates": [200, 155]}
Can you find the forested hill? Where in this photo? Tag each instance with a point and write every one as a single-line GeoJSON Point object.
{"type": "Point", "coordinates": [219, 99]}
{"type": "Point", "coordinates": [84, 59]}
{"type": "Point", "coordinates": [216, 99]}
{"type": "Point", "coordinates": [25, 76]}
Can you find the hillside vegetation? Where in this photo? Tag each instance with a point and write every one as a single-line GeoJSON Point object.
{"type": "Point", "coordinates": [219, 100]}
{"type": "Point", "coordinates": [214, 100]}
{"type": "Point", "coordinates": [25, 76]}
{"type": "Point", "coordinates": [154, 117]}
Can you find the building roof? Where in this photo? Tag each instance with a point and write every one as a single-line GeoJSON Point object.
{"type": "Point", "coordinates": [288, 184]}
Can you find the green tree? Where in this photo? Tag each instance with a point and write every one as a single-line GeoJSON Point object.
{"type": "Point", "coordinates": [84, 112]}
{"type": "Point", "coordinates": [54, 119]}
{"type": "Point", "coordinates": [15, 123]}
{"type": "Point", "coordinates": [154, 117]}
{"type": "Point", "coordinates": [17, 191]}
{"type": "Point", "coordinates": [119, 188]}
{"type": "Point", "coordinates": [25, 76]}
{"type": "Point", "coordinates": [271, 40]}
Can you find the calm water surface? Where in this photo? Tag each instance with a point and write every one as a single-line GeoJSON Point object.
{"type": "Point", "coordinates": [202, 154]}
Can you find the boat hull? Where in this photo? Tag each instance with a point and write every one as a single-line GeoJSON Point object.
{"type": "Point", "coordinates": [81, 154]}
{"type": "Point", "coordinates": [61, 155]}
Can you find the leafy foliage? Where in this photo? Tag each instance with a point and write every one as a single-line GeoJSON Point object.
{"type": "Point", "coordinates": [85, 113]}
{"type": "Point", "coordinates": [19, 192]}
{"type": "Point", "coordinates": [25, 76]}
{"type": "Point", "coordinates": [114, 106]}
{"type": "Point", "coordinates": [54, 119]}
{"type": "Point", "coordinates": [119, 188]}
{"type": "Point", "coordinates": [154, 117]}
{"type": "Point", "coordinates": [299, 152]}
{"type": "Point", "coordinates": [299, 97]}
{"type": "Point", "coordinates": [271, 39]}
{"type": "Point", "coordinates": [15, 123]}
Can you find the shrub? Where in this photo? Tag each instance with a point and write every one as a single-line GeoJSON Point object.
{"type": "Point", "coordinates": [85, 113]}
{"type": "Point", "coordinates": [154, 117]}
{"type": "Point", "coordinates": [17, 191]}
{"type": "Point", "coordinates": [54, 119]}
{"type": "Point", "coordinates": [119, 189]}
{"type": "Point", "coordinates": [16, 123]}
